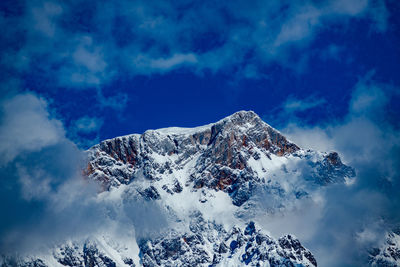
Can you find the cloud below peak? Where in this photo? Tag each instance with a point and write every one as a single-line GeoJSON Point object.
{"type": "Point", "coordinates": [354, 217]}
{"type": "Point", "coordinates": [42, 190]}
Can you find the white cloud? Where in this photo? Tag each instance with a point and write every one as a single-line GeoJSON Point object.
{"type": "Point", "coordinates": [160, 38]}
{"type": "Point", "coordinates": [35, 184]}
{"type": "Point", "coordinates": [43, 187]}
{"type": "Point", "coordinates": [143, 64]}
{"type": "Point", "coordinates": [293, 105]}
{"type": "Point", "coordinates": [88, 124]}
{"type": "Point", "coordinates": [358, 128]}
{"type": "Point", "coordinates": [300, 26]}
{"type": "Point", "coordinates": [92, 60]}
{"type": "Point", "coordinates": [368, 97]}
{"type": "Point", "coordinates": [351, 221]}
{"type": "Point", "coordinates": [26, 126]}
{"type": "Point", "coordinates": [117, 102]}
{"type": "Point", "coordinates": [173, 61]}
{"type": "Point", "coordinates": [86, 65]}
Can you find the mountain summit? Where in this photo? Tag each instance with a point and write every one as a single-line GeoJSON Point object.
{"type": "Point", "coordinates": [205, 188]}
{"type": "Point", "coordinates": [232, 155]}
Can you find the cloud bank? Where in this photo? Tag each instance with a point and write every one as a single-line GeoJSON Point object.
{"type": "Point", "coordinates": [342, 223]}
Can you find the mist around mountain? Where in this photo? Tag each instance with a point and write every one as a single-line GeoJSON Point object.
{"type": "Point", "coordinates": [232, 193]}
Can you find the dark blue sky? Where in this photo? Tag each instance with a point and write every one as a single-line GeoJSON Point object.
{"type": "Point", "coordinates": [112, 69]}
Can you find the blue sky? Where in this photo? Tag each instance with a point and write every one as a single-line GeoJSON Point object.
{"type": "Point", "coordinates": [73, 73]}
{"type": "Point", "coordinates": [110, 69]}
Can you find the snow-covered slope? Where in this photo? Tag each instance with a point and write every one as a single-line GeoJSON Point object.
{"type": "Point", "coordinates": [389, 252]}
{"type": "Point", "coordinates": [205, 181]}
{"type": "Point", "coordinates": [233, 155]}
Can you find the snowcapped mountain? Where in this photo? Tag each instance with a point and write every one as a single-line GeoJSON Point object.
{"type": "Point", "coordinates": [205, 187]}
{"type": "Point", "coordinates": [235, 155]}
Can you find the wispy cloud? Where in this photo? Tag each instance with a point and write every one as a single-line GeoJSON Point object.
{"type": "Point", "coordinates": [143, 38]}
{"type": "Point", "coordinates": [294, 108]}
{"type": "Point", "coordinates": [88, 124]}
{"type": "Point", "coordinates": [85, 131]}
{"type": "Point", "coordinates": [293, 105]}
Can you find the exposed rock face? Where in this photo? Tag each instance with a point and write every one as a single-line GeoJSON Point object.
{"type": "Point", "coordinates": [199, 176]}
{"type": "Point", "coordinates": [221, 153]}
{"type": "Point", "coordinates": [220, 143]}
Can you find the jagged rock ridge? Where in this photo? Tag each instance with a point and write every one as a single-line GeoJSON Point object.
{"type": "Point", "coordinates": [229, 248]}
{"type": "Point", "coordinates": [222, 152]}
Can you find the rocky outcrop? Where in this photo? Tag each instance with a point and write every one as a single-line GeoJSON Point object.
{"type": "Point", "coordinates": [388, 254]}
{"type": "Point", "coordinates": [236, 247]}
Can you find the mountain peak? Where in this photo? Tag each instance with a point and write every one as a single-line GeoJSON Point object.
{"type": "Point", "coordinates": [242, 118]}
{"type": "Point", "coordinates": [243, 115]}
{"type": "Point", "coordinates": [222, 154]}
{"type": "Point", "coordinates": [229, 142]}
{"type": "Point", "coordinates": [238, 118]}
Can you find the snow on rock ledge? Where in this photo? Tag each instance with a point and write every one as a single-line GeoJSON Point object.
{"type": "Point", "coordinates": [236, 155]}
